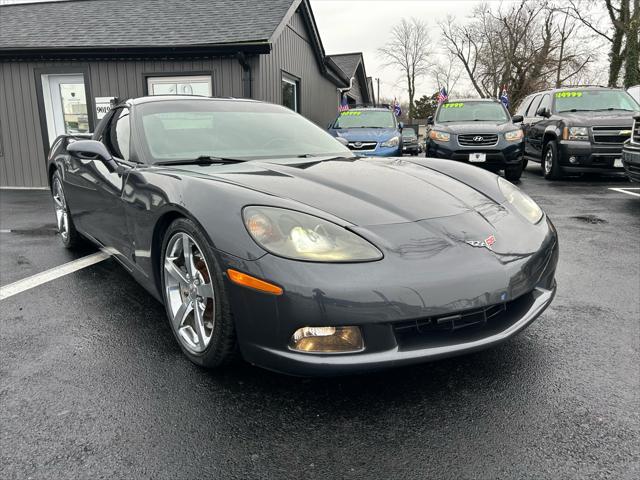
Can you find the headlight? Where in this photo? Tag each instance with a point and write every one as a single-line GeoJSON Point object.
{"type": "Point", "coordinates": [513, 135]}
{"type": "Point", "coordinates": [576, 133]}
{"type": "Point", "coordinates": [299, 236]}
{"type": "Point", "coordinates": [520, 200]}
{"type": "Point", "coordinates": [392, 142]}
{"type": "Point", "coordinates": [439, 136]}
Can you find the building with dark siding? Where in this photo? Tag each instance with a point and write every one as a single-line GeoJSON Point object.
{"type": "Point", "coordinates": [61, 64]}
{"type": "Point", "coordinates": [352, 65]}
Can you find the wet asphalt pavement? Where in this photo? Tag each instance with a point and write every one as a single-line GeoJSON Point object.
{"type": "Point", "coordinates": [93, 384]}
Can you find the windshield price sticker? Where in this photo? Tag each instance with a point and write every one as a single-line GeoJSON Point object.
{"type": "Point", "coordinates": [453, 105]}
{"type": "Point", "coordinates": [349, 113]}
{"type": "Point", "coordinates": [568, 94]}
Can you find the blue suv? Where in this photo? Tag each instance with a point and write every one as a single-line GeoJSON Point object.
{"type": "Point", "coordinates": [369, 131]}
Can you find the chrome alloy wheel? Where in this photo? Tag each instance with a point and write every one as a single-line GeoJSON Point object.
{"type": "Point", "coordinates": [60, 206]}
{"type": "Point", "coordinates": [189, 292]}
{"type": "Point", "coordinates": [548, 161]}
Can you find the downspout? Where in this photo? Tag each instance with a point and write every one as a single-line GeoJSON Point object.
{"type": "Point", "coordinates": [246, 74]}
{"type": "Point", "coordinates": [342, 90]}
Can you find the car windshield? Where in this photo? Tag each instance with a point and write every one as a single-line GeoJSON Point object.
{"type": "Point", "coordinates": [409, 133]}
{"type": "Point", "coordinates": [365, 119]}
{"type": "Point", "coordinates": [472, 112]}
{"type": "Point", "coordinates": [188, 129]}
{"type": "Point", "coordinates": [594, 100]}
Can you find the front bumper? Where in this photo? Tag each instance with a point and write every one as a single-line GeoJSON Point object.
{"type": "Point", "coordinates": [379, 152]}
{"type": "Point", "coordinates": [589, 157]}
{"type": "Point", "coordinates": [411, 148]}
{"type": "Point", "coordinates": [523, 314]}
{"type": "Point", "coordinates": [391, 301]}
{"type": "Point", "coordinates": [501, 155]}
{"type": "Point", "coordinates": [631, 161]}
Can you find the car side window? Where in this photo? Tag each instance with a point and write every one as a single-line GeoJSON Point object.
{"type": "Point", "coordinates": [118, 133]}
{"type": "Point", "coordinates": [533, 108]}
{"type": "Point", "coordinates": [522, 109]}
{"type": "Point", "coordinates": [544, 103]}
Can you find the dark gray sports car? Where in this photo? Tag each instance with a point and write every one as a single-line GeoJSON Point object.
{"type": "Point", "coordinates": [264, 236]}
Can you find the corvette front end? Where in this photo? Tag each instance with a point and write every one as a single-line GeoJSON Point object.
{"type": "Point", "coordinates": [430, 297]}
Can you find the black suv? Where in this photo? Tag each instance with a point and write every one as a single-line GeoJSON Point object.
{"type": "Point", "coordinates": [577, 130]}
{"type": "Point", "coordinates": [631, 153]}
{"type": "Point", "coordinates": [410, 141]}
{"type": "Point", "coordinates": [478, 131]}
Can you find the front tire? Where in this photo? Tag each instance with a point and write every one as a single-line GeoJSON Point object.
{"type": "Point", "coordinates": [195, 297]}
{"type": "Point", "coordinates": [551, 161]}
{"type": "Point", "coordinates": [66, 228]}
{"type": "Point", "coordinates": [513, 173]}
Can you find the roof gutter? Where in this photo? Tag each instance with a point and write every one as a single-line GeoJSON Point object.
{"type": "Point", "coordinates": [134, 51]}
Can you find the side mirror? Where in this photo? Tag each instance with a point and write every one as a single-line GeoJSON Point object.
{"type": "Point", "coordinates": [343, 141]}
{"type": "Point", "coordinates": [517, 119]}
{"type": "Point", "coordinates": [400, 125]}
{"type": "Point", "coordinates": [430, 120]}
{"type": "Point", "coordinates": [543, 112]}
{"type": "Point", "coordinates": [92, 150]}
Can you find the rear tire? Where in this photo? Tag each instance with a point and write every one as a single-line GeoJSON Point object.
{"type": "Point", "coordinates": [64, 221]}
{"type": "Point", "coordinates": [550, 161]}
{"type": "Point", "coordinates": [195, 297]}
{"type": "Point", "coordinates": [513, 173]}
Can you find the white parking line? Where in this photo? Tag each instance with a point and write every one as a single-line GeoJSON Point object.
{"type": "Point", "coordinates": [626, 190]}
{"type": "Point", "coordinates": [48, 275]}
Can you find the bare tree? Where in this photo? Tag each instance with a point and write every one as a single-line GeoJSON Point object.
{"type": "Point", "coordinates": [446, 71]}
{"type": "Point", "coordinates": [622, 34]}
{"type": "Point", "coordinates": [408, 49]}
{"type": "Point", "coordinates": [525, 46]}
{"type": "Point", "coordinates": [465, 45]}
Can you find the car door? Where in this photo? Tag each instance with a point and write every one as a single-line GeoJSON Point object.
{"type": "Point", "coordinates": [539, 126]}
{"type": "Point", "coordinates": [105, 218]}
{"type": "Point", "coordinates": [528, 123]}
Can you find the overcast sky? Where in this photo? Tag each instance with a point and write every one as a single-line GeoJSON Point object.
{"type": "Point", "coordinates": [364, 26]}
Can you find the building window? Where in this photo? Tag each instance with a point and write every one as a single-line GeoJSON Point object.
{"type": "Point", "coordinates": [290, 89]}
{"type": "Point", "coordinates": [185, 85]}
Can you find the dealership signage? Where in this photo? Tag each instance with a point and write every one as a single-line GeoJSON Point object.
{"type": "Point", "coordinates": [103, 105]}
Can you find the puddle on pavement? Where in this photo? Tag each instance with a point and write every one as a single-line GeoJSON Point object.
{"type": "Point", "coordinates": [40, 231]}
{"type": "Point", "coordinates": [592, 219]}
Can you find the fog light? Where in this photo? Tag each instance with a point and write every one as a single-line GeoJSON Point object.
{"type": "Point", "coordinates": [573, 160]}
{"type": "Point", "coordinates": [327, 340]}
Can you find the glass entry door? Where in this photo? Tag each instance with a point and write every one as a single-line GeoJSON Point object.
{"type": "Point", "coordinates": [65, 103]}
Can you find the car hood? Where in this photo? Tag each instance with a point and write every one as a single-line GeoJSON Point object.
{"type": "Point", "coordinates": [359, 191]}
{"type": "Point", "coordinates": [365, 134]}
{"type": "Point", "coordinates": [475, 127]}
{"type": "Point", "coordinates": [611, 119]}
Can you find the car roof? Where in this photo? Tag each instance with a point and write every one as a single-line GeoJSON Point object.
{"type": "Point", "coordinates": [164, 98]}
{"type": "Point", "coordinates": [377, 109]}
{"type": "Point", "coordinates": [461, 100]}
{"type": "Point", "coordinates": [576, 87]}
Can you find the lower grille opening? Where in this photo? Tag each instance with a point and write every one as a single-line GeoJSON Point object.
{"type": "Point", "coordinates": [460, 327]}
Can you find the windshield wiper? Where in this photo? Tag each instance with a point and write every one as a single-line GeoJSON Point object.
{"type": "Point", "coordinates": [202, 160]}
{"type": "Point", "coordinates": [595, 110]}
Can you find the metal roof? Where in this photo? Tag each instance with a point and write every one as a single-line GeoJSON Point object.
{"type": "Point", "coordinates": [78, 24]}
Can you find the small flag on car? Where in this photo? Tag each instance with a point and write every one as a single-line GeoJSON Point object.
{"type": "Point", "coordinates": [396, 107]}
{"type": "Point", "coordinates": [442, 95]}
{"type": "Point", "coordinates": [504, 97]}
{"type": "Point", "coordinates": [344, 104]}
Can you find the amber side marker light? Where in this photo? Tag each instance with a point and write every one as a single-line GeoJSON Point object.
{"type": "Point", "coordinates": [248, 281]}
